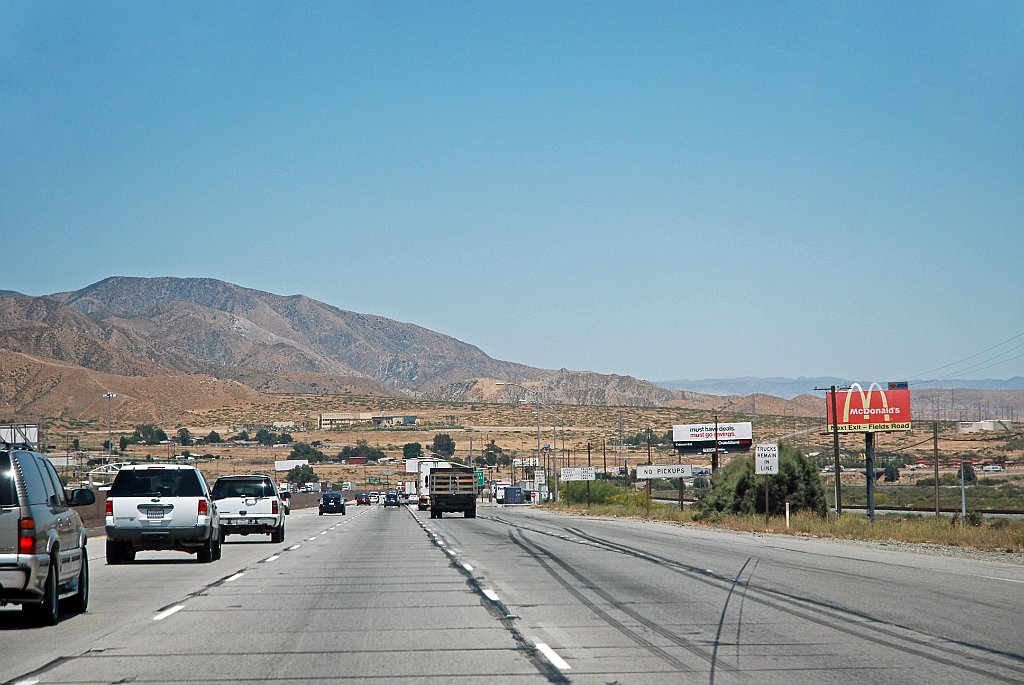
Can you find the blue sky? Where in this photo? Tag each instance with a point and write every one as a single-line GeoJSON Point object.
{"type": "Point", "coordinates": [666, 190]}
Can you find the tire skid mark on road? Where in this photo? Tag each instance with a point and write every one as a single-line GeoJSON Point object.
{"type": "Point", "coordinates": [540, 555]}
{"type": "Point", "coordinates": [493, 604]}
{"type": "Point", "coordinates": [855, 624]}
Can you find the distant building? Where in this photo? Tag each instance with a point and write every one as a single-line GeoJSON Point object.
{"type": "Point", "coordinates": [987, 426]}
{"type": "Point", "coordinates": [332, 420]}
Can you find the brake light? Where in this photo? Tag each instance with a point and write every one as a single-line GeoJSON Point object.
{"type": "Point", "coordinates": [204, 507]}
{"type": "Point", "coordinates": [273, 507]}
{"type": "Point", "coordinates": [110, 507]}
{"type": "Point", "coordinates": [26, 535]}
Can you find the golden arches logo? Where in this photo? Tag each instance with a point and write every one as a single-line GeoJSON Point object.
{"type": "Point", "coordinates": [865, 401]}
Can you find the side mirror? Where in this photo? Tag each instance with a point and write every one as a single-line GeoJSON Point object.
{"type": "Point", "coordinates": [82, 497]}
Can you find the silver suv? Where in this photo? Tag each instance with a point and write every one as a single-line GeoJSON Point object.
{"type": "Point", "coordinates": [42, 540]}
{"type": "Point", "coordinates": [158, 507]}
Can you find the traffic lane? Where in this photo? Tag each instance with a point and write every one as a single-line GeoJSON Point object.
{"type": "Point", "coordinates": [645, 609]}
{"type": "Point", "coordinates": [914, 590]}
{"type": "Point", "coordinates": [345, 601]}
{"type": "Point", "coordinates": [131, 594]}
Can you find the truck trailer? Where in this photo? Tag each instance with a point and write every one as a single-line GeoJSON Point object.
{"type": "Point", "coordinates": [452, 489]}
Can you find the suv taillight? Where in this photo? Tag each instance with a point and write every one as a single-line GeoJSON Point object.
{"type": "Point", "coordinates": [273, 507]}
{"type": "Point", "coordinates": [110, 507]}
{"type": "Point", "coordinates": [204, 507]}
{"type": "Point", "coordinates": [26, 535]}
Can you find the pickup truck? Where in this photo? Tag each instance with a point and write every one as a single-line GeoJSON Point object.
{"type": "Point", "coordinates": [452, 490]}
{"type": "Point", "coordinates": [249, 504]}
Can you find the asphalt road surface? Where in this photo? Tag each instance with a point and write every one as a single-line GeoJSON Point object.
{"type": "Point", "coordinates": [522, 596]}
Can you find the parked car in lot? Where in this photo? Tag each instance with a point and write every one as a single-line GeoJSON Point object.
{"type": "Point", "coordinates": [43, 556]}
{"type": "Point", "coordinates": [391, 500]}
{"type": "Point", "coordinates": [332, 503]}
{"type": "Point", "coordinates": [363, 498]}
{"type": "Point", "coordinates": [161, 507]}
{"type": "Point", "coordinates": [249, 504]}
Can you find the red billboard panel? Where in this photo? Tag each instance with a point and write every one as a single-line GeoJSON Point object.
{"type": "Point", "coordinates": [871, 411]}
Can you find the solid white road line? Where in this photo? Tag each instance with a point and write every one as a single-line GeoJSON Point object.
{"type": "Point", "coordinates": [167, 612]}
{"type": "Point", "coordinates": [233, 578]}
{"type": "Point", "coordinates": [271, 558]}
{"type": "Point", "coordinates": [490, 594]}
{"type": "Point", "coordinates": [468, 567]}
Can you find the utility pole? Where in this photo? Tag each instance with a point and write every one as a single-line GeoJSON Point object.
{"type": "Point", "coordinates": [588, 482]}
{"type": "Point", "coordinates": [835, 446]}
{"type": "Point", "coordinates": [648, 480]}
{"type": "Point", "coordinates": [935, 452]}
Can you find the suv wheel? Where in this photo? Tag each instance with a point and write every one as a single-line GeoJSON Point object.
{"type": "Point", "coordinates": [278, 534]}
{"type": "Point", "coordinates": [205, 555]}
{"type": "Point", "coordinates": [47, 612]}
{"type": "Point", "coordinates": [80, 601]}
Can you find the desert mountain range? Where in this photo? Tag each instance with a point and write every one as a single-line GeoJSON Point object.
{"type": "Point", "coordinates": [171, 346]}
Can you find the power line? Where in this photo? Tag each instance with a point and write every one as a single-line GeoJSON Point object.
{"type": "Point", "coordinates": [977, 354]}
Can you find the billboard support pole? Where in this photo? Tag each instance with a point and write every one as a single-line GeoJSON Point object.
{"type": "Point", "coordinates": [714, 457]}
{"type": "Point", "coordinates": [869, 471]}
{"type": "Point", "coordinates": [648, 480]}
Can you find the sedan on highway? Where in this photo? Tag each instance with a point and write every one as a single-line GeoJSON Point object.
{"type": "Point", "coordinates": [362, 498]}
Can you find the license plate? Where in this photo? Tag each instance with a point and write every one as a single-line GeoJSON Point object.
{"type": "Point", "coordinates": [155, 513]}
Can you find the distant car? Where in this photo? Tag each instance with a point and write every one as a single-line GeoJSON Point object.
{"type": "Point", "coordinates": [362, 498]}
{"type": "Point", "coordinates": [332, 503]}
{"type": "Point", "coordinates": [374, 498]}
{"type": "Point", "coordinates": [391, 500]}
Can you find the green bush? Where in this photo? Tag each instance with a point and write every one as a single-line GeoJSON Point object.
{"type": "Point", "coordinates": [737, 490]}
{"type": "Point", "coordinates": [601, 492]}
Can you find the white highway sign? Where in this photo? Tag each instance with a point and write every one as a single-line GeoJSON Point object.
{"type": "Point", "coordinates": [766, 458]}
{"type": "Point", "coordinates": [579, 473]}
{"type": "Point", "coordinates": [644, 472]}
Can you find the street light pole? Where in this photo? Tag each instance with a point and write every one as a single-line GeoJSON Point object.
{"type": "Point", "coordinates": [536, 397]}
{"type": "Point", "coordinates": [110, 431]}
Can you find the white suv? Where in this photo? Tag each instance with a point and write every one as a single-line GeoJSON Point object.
{"type": "Point", "coordinates": [161, 506]}
{"type": "Point", "coordinates": [250, 504]}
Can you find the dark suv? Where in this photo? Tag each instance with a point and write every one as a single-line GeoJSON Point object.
{"type": "Point", "coordinates": [391, 500]}
{"type": "Point", "coordinates": [43, 555]}
{"type": "Point", "coordinates": [332, 503]}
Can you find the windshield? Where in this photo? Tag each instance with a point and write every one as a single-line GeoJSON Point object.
{"type": "Point", "coordinates": [242, 487]}
{"type": "Point", "coordinates": [156, 483]}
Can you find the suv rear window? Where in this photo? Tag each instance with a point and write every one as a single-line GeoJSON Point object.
{"type": "Point", "coordinates": [156, 483]}
{"type": "Point", "coordinates": [8, 491]}
{"type": "Point", "coordinates": [242, 487]}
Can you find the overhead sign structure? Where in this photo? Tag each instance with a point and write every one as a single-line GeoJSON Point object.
{"type": "Point", "coordinates": [766, 458]}
{"type": "Point", "coordinates": [647, 472]}
{"type": "Point", "coordinates": [579, 473]}
{"type": "Point", "coordinates": [873, 411]}
{"type": "Point", "coordinates": [701, 437]}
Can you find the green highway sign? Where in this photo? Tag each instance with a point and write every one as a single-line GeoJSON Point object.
{"type": "Point", "coordinates": [479, 478]}
{"type": "Point", "coordinates": [373, 479]}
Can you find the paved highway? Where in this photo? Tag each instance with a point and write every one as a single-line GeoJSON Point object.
{"type": "Point", "coordinates": [522, 596]}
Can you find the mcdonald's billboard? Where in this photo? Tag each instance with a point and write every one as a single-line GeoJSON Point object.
{"type": "Point", "coordinates": [871, 411]}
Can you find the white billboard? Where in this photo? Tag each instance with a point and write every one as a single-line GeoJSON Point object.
{"type": "Point", "coordinates": [289, 464]}
{"type": "Point", "coordinates": [701, 437]}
